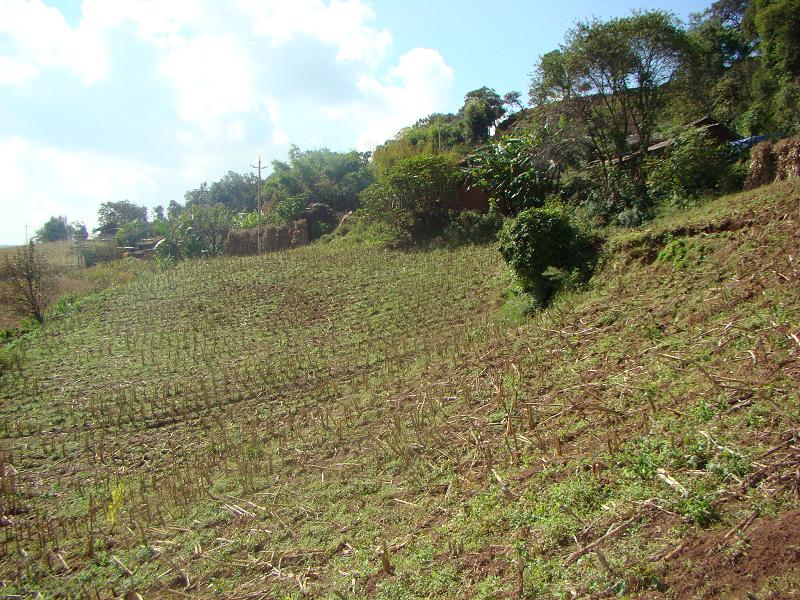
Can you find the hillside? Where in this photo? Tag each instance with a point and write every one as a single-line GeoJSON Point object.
{"type": "Point", "coordinates": [73, 277]}
{"type": "Point", "coordinates": [345, 422]}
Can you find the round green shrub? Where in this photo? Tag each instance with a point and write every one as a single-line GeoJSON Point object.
{"type": "Point", "coordinates": [546, 250]}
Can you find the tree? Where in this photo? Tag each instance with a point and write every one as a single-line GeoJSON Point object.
{"type": "Point", "coordinates": [520, 171]}
{"type": "Point", "coordinates": [413, 192]}
{"type": "Point", "coordinates": [776, 25]}
{"type": "Point", "coordinates": [546, 250]}
{"type": "Point", "coordinates": [113, 215]}
{"type": "Point", "coordinates": [513, 100]}
{"type": "Point", "coordinates": [32, 282]}
{"type": "Point", "coordinates": [54, 230]}
{"type": "Point", "coordinates": [199, 195]}
{"type": "Point", "coordinates": [131, 232]}
{"type": "Point", "coordinates": [235, 191]}
{"type": "Point", "coordinates": [613, 78]}
{"type": "Point", "coordinates": [324, 176]}
{"type": "Point", "coordinates": [719, 67]}
{"type": "Point", "coordinates": [158, 211]}
{"type": "Point", "coordinates": [78, 231]}
{"type": "Point", "coordinates": [200, 230]}
{"type": "Point", "coordinates": [481, 110]}
{"type": "Point", "coordinates": [174, 210]}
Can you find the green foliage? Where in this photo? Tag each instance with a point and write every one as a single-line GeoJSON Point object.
{"type": "Point", "coordinates": [287, 209]}
{"type": "Point", "coordinates": [612, 78]}
{"type": "Point", "coordinates": [65, 306]}
{"type": "Point", "coordinates": [470, 227]}
{"type": "Point", "coordinates": [622, 200]}
{"type": "Point", "coordinates": [113, 215]}
{"type": "Point", "coordinates": [699, 508]}
{"type": "Point", "coordinates": [546, 250]}
{"type": "Point", "coordinates": [199, 231]}
{"type": "Point", "coordinates": [54, 230]}
{"type": "Point", "coordinates": [130, 233]}
{"type": "Point", "coordinates": [694, 165]}
{"type": "Point", "coordinates": [675, 252]}
{"type": "Point", "coordinates": [174, 210]}
{"type": "Point", "coordinates": [311, 176]}
{"type": "Point", "coordinates": [248, 220]}
{"type": "Point", "coordinates": [482, 109]}
{"type": "Point", "coordinates": [411, 194]}
{"type": "Point", "coordinates": [776, 23]}
{"type": "Point", "coordinates": [235, 191]}
{"type": "Point", "coordinates": [78, 231]}
{"type": "Point", "coordinates": [643, 458]}
{"type": "Point", "coordinates": [520, 171]}
{"type": "Point", "coordinates": [447, 133]}
{"type": "Point", "coordinates": [95, 253]}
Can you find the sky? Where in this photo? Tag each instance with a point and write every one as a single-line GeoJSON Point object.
{"type": "Point", "coordinates": [106, 100]}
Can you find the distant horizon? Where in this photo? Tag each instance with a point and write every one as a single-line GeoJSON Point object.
{"type": "Point", "coordinates": [143, 101]}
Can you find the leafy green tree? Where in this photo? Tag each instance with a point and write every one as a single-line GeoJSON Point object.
{"type": "Point", "coordinates": [776, 25]}
{"type": "Point", "coordinates": [197, 196]}
{"type": "Point", "coordinates": [694, 165]}
{"type": "Point", "coordinates": [324, 176]}
{"type": "Point", "coordinates": [113, 215]}
{"type": "Point", "coordinates": [200, 230]}
{"type": "Point", "coordinates": [131, 232]}
{"type": "Point", "coordinates": [520, 171]}
{"type": "Point", "coordinates": [482, 109]}
{"type": "Point", "coordinates": [513, 100]}
{"type": "Point", "coordinates": [612, 78]}
{"type": "Point", "coordinates": [720, 64]}
{"type": "Point", "coordinates": [412, 193]}
{"type": "Point", "coordinates": [235, 191]}
{"type": "Point", "coordinates": [54, 230]}
{"type": "Point", "coordinates": [174, 210]}
{"type": "Point", "coordinates": [158, 211]}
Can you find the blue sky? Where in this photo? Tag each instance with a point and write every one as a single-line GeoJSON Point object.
{"type": "Point", "coordinates": [143, 99]}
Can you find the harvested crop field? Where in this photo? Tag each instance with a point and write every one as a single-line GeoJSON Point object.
{"type": "Point", "coordinates": [344, 422]}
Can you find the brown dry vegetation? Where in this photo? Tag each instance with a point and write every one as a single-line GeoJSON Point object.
{"type": "Point", "coordinates": [73, 278]}
{"type": "Point", "coordinates": [346, 423]}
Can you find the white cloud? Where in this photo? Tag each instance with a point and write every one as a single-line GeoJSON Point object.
{"type": "Point", "coordinates": [212, 76]}
{"type": "Point", "coordinates": [41, 181]}
{"type": "Point", "coordinates": [15, 72]}
{"type": "Point", "coordinates": [417, 86]}
{"type": "Point", "coordinates": [42, 37]}
{"type": "Point", "coordinates": [214, 56]}
{"type": "Point", "coordinates": [343, 23]}
{"type": "Point", "coordinates": [242, 77]}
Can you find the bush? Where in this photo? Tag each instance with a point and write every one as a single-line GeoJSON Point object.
{"type": "Point", "coordinates": [132, 232]}
{"type": "Point", "coordinates": [547, 251]}
{"type": "Point", "coordinates": [694, 165]}
{"type": "Point", "coordinates": [577, 187]}
{"type": "Point", "coordinates": [94, 253]}
{"type": "Point", "coordinates": [409, 198]}
{"type": "Point", "coordinates": [623, 201]}
{"type": "Point", "coordinates": [471, 227]}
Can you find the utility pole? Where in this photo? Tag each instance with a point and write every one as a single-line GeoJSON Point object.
{"type": "Point", "coordinates": [258, 204]}
{"type": "Point", "coordinates": [26, 234]}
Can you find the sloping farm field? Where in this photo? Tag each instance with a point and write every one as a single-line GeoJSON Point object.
{"type": "Point", "coordinates": [354, 423]}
